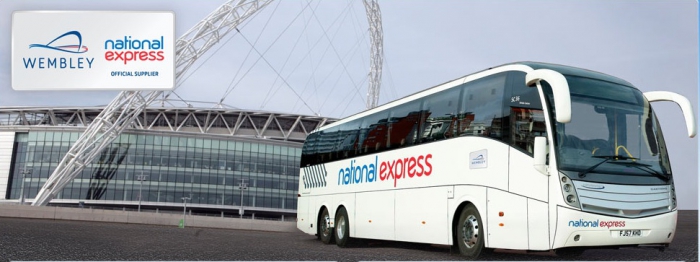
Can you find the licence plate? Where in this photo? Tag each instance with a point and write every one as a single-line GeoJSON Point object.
{"type": "Point", "coordinates": [630, 233]}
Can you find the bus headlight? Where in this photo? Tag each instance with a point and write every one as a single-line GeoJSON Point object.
{"type": "Point", "coordinates": [673, 196]}
{"type": "Point", "coordinates": [568, 190]}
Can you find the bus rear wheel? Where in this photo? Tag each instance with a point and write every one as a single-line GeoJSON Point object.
{"type": "Point", "coordinates": [324, 231]}
{"type": "Point", "coordinates": [342, 228]}
{"type": "Point", "coordinates": [470, 233]}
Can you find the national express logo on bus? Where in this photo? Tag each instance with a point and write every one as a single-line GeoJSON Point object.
{"type": "Point", "coordinates": [402, 168]}
{"type": "Point", "coordinates": [596, 223]}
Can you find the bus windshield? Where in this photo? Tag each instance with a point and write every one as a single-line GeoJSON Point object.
{"type": "Point", "coordinates": [613, 137]}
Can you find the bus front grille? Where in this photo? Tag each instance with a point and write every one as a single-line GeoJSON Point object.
{"type": "Point", "coordinates": [624, 200]}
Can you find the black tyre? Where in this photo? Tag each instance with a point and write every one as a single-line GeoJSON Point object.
{"type": "Point", "coordinates": [325, 233]}
{"type": "Point", "coordinates": [469, 235]}
{"type": "Point", "coordinates": [342, 228]}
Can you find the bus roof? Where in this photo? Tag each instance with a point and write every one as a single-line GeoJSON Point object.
{"type": "Point", "coordinates": [575, 71]}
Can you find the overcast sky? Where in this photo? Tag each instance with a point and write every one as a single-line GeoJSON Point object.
{"type": "Point", "coordinates": [652, 44]}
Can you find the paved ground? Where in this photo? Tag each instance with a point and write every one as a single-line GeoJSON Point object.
{"type": "Point", "coordinates": [30, 239]}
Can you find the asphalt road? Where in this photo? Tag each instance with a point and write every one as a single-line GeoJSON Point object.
{"type": "Point", "coordinates": [31, 239]}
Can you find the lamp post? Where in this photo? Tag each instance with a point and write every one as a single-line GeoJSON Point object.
{"type": "Point", "coordinates": [24, 172]}
{"type": "Point", "coordinates": [141, 178]}
{"type": "Point", "coordinates": [242, 186]}
{"type": "Point", "coordinates": [184, 210]}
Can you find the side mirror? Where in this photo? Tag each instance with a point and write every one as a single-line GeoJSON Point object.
{"type": "Point", "coordinates": [560, 88]}
{"type": "Point", "coordinates": [684, 103]}
{"type": "Point", "coordinates": [540, 157]}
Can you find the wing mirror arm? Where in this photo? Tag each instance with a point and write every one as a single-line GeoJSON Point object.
{"type": "Point", "coordinates": [560, 88]}
{"type": "Point", "coordinates": [683, 102]}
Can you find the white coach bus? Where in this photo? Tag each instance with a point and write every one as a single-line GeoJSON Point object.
{"type": "Point", "coordinates": [524, 156]}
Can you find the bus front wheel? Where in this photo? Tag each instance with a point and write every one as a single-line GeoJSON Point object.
{"type": "Point", "coordinates": [324, 230]}
{"type": "Point", "coordinates": [470, 233]}
{"type": "Point", "coordinates": [342, 228]}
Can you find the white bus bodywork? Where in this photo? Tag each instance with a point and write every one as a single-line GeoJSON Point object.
{"type": "Point", "coordinates": [519, 198]}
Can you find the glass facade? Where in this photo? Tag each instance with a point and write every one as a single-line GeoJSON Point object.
{"type": "Point", "coordinates": [165, 168]}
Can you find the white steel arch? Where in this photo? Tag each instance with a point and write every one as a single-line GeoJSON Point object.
{"type": "Point", "coordinates": [376, 34]}
{"type": "Point", "coordinates": [121, 112]}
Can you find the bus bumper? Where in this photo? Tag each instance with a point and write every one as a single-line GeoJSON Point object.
{"type": "Point", "coordinates": [581, 229]}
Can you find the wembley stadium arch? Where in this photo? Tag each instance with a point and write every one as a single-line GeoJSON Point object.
{"type": "Point", "coordinates": [96, 143]}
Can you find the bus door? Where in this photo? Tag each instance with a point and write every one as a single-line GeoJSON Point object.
{"type": "Point", "coordinates": [528, 189]}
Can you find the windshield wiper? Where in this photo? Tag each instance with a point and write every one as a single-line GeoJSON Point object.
{"type": "Point", "coordinates": [646, 168]}
{"type": "Point", "coordinates": [606, 159]}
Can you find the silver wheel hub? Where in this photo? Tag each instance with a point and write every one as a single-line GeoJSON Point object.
{"type": "Point", "coordinates": [340, 227]}
{"type": "Point", "coordinates": [325, 228]}
{"type": "Point", "coordinates": [470, 231]}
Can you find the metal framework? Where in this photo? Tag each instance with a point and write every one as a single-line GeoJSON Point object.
{"type": "Point", "coordinates": [374, 18]}
{"type": "Point", "coordinates": [124, 109]}
{"type": "Point", "coordinates": [205, 121]}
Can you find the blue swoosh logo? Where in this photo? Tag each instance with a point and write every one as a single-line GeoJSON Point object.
{"type": "Point", "coordinates": [76, 49]}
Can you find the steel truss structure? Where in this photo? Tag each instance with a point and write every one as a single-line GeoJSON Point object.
{"type": "Point", "coordinates": [376, 35]}
{"type": "Point", "coordinates": [125, 108]}
{"type": "Point", "coordinates": [209, 121]}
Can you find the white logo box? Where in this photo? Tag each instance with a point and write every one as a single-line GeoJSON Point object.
{"type": "Point", "coordinates": [93, 50]}
{"type": "Point", "coordinates": [479, 159]}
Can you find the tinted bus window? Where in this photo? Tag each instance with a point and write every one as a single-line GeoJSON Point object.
{"type": "Point", "coordinates": [524, 111]}
{"type": "Point", "coordinates": [440, 111]}
{"type": "Point", "coordinates": [373, 132]}
{"type": "Point", "coordinates": [404, 123]}
{"type": "Point", "coordinates": [482, 107]}
{"type": "Point", "coordinates": [346, 140]}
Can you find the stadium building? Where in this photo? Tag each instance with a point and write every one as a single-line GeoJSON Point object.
{"type": "Point", "coordinates": [219, 158]}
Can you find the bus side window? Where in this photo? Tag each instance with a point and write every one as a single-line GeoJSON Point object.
{"type": "Point", "coordinates": [525, 125]}
{"type": "Point", "coordinates": [310, 150]}
{"type": "Point", "coordinates": [524, 107]}
{"type": "Point", "coordinates": [404, 123]}
{"type": "Point", "coordinates": [348, 139]}
{"type": "Point", "coordinates": [327, 145]}
{"type": "Point", "coordinates": [439, 115]}
{"type": "Point", "coordinates": [481, 112]}
{"type": "Point", "coordinates": [373, 133]}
